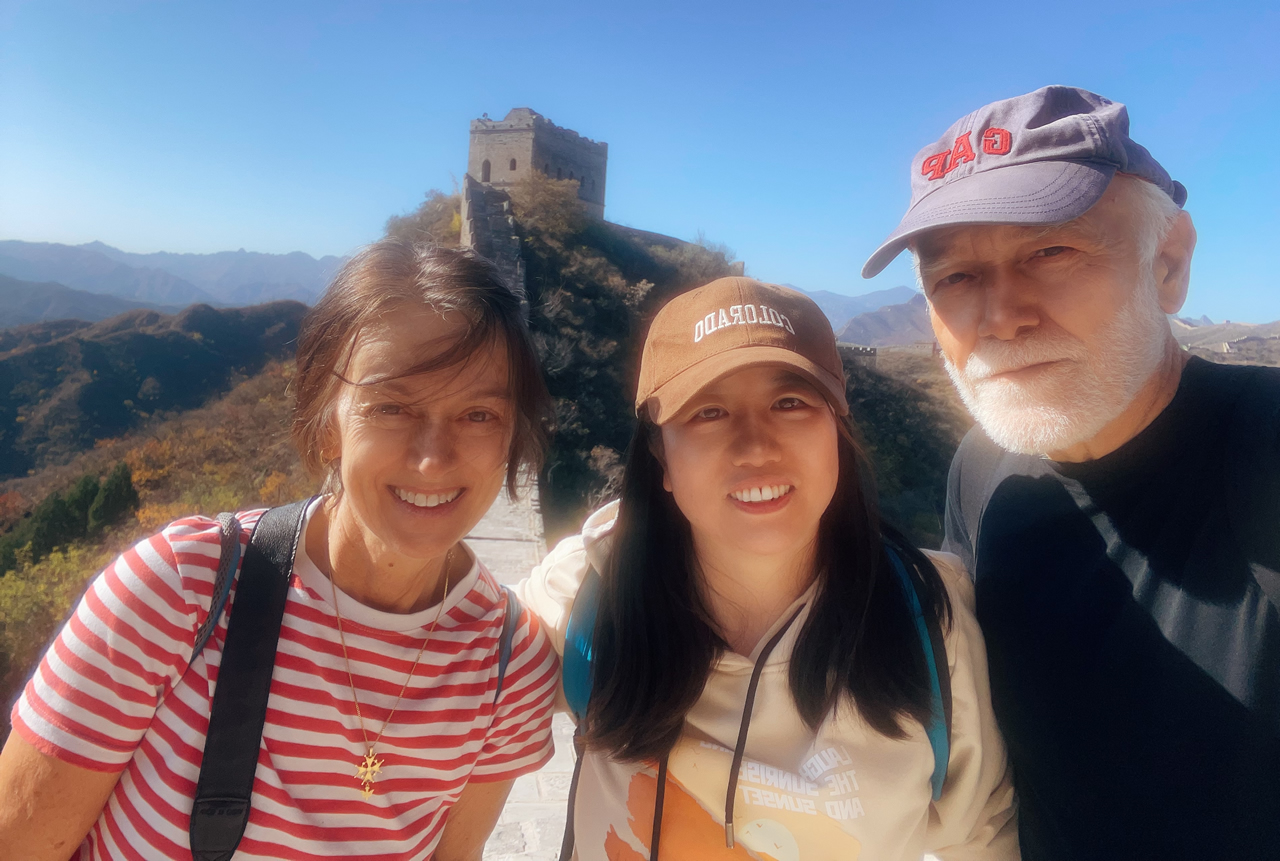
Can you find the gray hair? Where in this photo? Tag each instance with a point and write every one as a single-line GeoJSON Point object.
{"type": "Point", "coordinates": [1154, 214]}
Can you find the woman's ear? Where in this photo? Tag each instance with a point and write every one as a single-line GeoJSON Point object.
{"type": "Point", "coordinates": [1173, 264]}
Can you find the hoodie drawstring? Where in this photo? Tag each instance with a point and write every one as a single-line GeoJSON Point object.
{"type": "Point", "coordinates": [741, 746]}
{"type": "Point", "coordinates": [738, 749]}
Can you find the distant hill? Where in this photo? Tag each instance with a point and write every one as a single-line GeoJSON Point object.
{"type": "Point", "coordinates": [175, 280]}
{"type": "Point", "coordinates": [87, 269]}
{"type": "Point", "coordinates": [23, 302]}
{"type": "Point", "coordinates": [840, 308]}
{"type": "Point", "coordinates": [906, 323]}
{"type": "Point", "coordinates": [61, 393]}
{"type": "Point", "coordinates": [239, 277]}
{"type": "Point", "coordinates": [1190, 334]}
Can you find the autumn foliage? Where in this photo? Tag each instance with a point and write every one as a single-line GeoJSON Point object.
{"type": "Point", "coordinates": [231, 454]}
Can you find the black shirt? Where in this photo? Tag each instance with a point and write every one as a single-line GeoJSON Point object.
{"type": "Point", "coordinates": [1130, 609]}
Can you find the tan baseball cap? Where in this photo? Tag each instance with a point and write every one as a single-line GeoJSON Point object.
{"type": "Point", "coordinates": [731, 323]}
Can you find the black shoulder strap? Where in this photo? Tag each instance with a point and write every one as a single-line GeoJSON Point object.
{"type": "Point", "coordinates": [221, 809]}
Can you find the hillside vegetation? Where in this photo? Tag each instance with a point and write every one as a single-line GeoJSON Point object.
{"type": "Point", "coordinates": [60, 394]}
{"type": "Point", "coordinates": [231, 454]}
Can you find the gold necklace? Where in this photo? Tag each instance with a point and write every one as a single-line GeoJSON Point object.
{"type": "Point", "coordinates": [368, 769]}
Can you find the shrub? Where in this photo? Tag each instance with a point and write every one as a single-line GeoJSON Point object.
{"type": "Point", "coordinates": [437, 219]}
{"type": "Point", "coordinates": [116, 498]}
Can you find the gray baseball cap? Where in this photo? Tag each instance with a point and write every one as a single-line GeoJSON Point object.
{"type": "Point", "coordinates": [1041, 158]}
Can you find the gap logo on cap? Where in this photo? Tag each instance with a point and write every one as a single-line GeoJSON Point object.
{"type": "Point", "coordinates": [995, 141]}
{"type": "Point", "coordinates": [740, 315]}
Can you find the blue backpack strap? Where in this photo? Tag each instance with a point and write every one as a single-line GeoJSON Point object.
{"type": "Point", "coordinates": [939, 727]}
{"type": "Point", "coordinates": [576, 678]}
{"type": "Point", "coordinates": [228, 562]}
{"type": "Point", "coordinates": [576, 669]}
{"type": "Point", "coordinates": [510, 618]}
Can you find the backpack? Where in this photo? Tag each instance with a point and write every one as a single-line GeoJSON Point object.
{"type": "Point", "coordinates": [224, 790]}
{"type": "Point", "coordinates": [577, 677]}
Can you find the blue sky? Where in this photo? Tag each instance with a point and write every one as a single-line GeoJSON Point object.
{"type": "Point", "coordinates": [781, 129]}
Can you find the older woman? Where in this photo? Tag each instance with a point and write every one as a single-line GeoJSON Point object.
{"type": "Point", "coordinates": [387, 733]}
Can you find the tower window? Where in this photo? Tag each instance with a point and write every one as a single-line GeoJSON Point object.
{"type": "Point", "coordinates": [559, 174]}
{"type": "Point", "coordinates": [546, 168]}
{"type": "Point", "coordinates": [513, 164]}
{"type": "Point", "coordinates": [484, 171]}
{"type": "Point", "coordinates": [570, 174]}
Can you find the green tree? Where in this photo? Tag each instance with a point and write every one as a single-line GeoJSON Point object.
{"type": "Point", "coordinates": [80, 498]}
{"type": "Point", "coordinates": [53, 524]}
{"type": "Point", "coordinates": [116, 498]}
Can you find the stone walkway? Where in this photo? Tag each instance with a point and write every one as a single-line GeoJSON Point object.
{"type": "Point", "coordinates": [509, 541]}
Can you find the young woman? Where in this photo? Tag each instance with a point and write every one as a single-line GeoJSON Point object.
{"type": "Point", "coordinates": [761, 685]}
{"type": "Point", "coordinates": [418, 396]}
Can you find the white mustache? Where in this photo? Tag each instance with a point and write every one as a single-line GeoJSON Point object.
{"type": "Point", "coordinates": [993, 357]}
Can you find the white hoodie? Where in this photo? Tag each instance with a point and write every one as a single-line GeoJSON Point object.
{"type": "Point", "coordinates": [845, 792]}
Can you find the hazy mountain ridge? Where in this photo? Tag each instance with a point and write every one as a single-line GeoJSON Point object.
{"type": "Point", "coordinates": [892, 325]}
{"type": "Point", "coordinates": [1213, 334]}
{"type": "Point", "coordinates": [239, 277]}
{"type": "Point", "coordinates": [840, 309]}
{"type": "Point", "coordinates": [92, 271]}
{"type": "Point", "coordinates": [27, 302]}
{"type": "Point", "coordinates": [227, 278]}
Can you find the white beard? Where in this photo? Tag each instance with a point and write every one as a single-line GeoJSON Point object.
{"type": "Point", "coordinates": [1072, 401]}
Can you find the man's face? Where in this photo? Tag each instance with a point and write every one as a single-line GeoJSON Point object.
{"type": "Point", "coordinates": [1047, 332]}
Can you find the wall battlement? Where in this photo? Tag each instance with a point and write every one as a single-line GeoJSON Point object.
{"type": "Point", "coordinates": [503, 151]}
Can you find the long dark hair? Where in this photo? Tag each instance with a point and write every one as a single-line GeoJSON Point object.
{"type": "Point", "coordinates": [655, 640]}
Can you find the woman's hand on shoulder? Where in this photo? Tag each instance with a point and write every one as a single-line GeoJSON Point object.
{"type": "Point", "coordinates": [550, 589]}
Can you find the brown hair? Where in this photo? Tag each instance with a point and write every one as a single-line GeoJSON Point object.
{"type": "Point", "coordinates": [392, 272]}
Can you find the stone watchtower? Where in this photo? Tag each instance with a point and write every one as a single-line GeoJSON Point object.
{"type": "Point", "coordinates": [503, 151]}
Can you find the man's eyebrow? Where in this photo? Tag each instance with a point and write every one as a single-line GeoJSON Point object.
{"type": "Point", "coordinates": [936, 250]}
{"type": "Point", "coordinates": [1078, 227]}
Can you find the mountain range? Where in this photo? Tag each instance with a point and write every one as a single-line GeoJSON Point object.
{"type": "Point", "coordinates": [1206, 333]}
{"type": "Point", "coordinates": [892, 325]}
{"type": "Point", "coordinates": [227, 278]}
{"type": "Point", "coordinates": [840, 308]}
{"type": "Point", "coordinates": [23, 302]}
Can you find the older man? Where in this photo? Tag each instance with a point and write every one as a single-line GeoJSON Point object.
{"type": "Point", "coordinates": [1119, 504]}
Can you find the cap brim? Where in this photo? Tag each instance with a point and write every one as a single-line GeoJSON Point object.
{"type": "Point", "coordinates": [1041, 192]}
{"type": "Point", "coordinates": [671, 397]}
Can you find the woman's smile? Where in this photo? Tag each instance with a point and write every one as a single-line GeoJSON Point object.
{"type": "Point", "coordinates": [762, 498]}
{"type": "Point", "coordinates": [422, 500]}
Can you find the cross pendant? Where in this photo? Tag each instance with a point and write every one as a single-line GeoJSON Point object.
{"type": "Point", "coordinates": [367, 773]}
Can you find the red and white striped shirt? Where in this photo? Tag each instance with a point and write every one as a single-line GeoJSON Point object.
{"type": "Point", "coordinates": [114, 694]}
